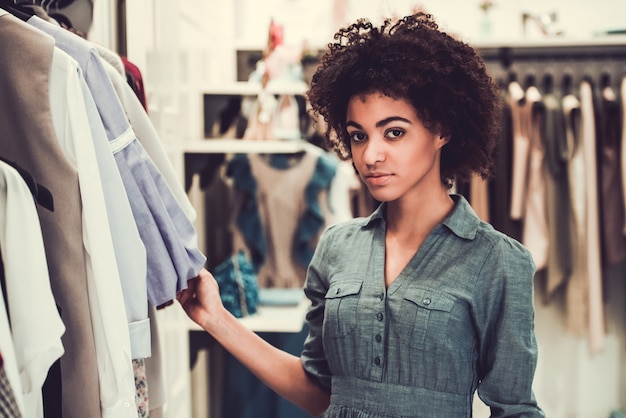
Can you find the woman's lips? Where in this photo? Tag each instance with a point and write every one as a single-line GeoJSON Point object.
{"type": "Point", "coordinates": [377, 179]}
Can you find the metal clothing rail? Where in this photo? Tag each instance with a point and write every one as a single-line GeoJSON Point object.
{"type": "Point", "coordinates": [560, 59]}
{"type": "Point", "coordinates": [606, 48]}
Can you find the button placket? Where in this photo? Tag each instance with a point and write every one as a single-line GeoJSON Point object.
{"type": "Point", "coordinates": [379, 330]}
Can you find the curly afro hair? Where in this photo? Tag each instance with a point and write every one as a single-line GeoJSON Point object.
{"type": "Point", "coordinates": [443, 78]}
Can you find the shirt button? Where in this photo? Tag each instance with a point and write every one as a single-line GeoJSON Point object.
{"type": "Point", "coordinates": [377, 361]}
{"type": "Point", "coordinates": [426, 301]}
{"type": "Point", "coordinates": [382, 296]}
{"type": "Point", "coordinates": [378, 338]}
{"type": "Point", "coordinates": [379, 316]}
{"type": "Point", "coordinates": [337, 291]}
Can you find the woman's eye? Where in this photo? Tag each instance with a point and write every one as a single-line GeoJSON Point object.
{"type": "Point", "coordinates": [357, 136]}
{"type": "Point", "coordinates": [395, 133]}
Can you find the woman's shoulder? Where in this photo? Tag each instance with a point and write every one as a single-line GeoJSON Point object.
{"type": "Point", "coordinates": [348, 227]}
{"type": "Point", "coordinates": [344, 233]}
{"type": "Point", "coordinates": [500, 243]}
{"type": "Point", "coordinates": [503, 249]}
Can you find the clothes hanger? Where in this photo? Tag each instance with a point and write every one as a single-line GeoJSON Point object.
{"type": "Point", "coordinates": [41, 194]}
{"type": "Point", "coordinates": [547, 82]}
{"type": "Point", "coordinates": [530, 80]}
{"type": "Point", "coordinates": [567, 83]}
{"type": "Point", "coordinates": [15, 7]}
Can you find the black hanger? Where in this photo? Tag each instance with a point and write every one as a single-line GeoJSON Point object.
{"type": "Point", "coordinates": [16, 9]}
{"type": "Point", "coordinates": [41, 194]}
{"type": "Point", "coordinates": [567, 83]}
{"type": "Point", "coordinates": [511, 76]}
{"type": "Point", "coordinates": [529, 80]}
{"type": "Point", "coordinates": [547, 82]}
{"type": "Point", "coordinates": [605, 80]}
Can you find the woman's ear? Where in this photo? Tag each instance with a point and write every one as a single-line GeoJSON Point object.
{"type": "Point", "coordinates": [443, 140]}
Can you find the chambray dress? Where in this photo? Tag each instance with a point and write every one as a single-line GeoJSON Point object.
{"type": "Point", "coordinates": [458, 318]}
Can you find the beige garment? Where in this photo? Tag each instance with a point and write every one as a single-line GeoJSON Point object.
{"type": "Point", "coordinates": [594, 261]}
{"type": "Point", "coordinates": [535, 235]}
{"type": "Point", "coordinates": [261, 117]}
{"type": "Point", "coordinates": [280, 200]}
{"type": "Point", "coordinates": [27, 136]}
{"type": "Point", "coordinates": [577, 287]}
{"type": "Point", "coordinates": [521, 146]}
{"type": "Point", "coordinates": [479, 197]}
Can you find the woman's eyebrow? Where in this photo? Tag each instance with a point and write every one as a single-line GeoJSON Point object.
{"type": "Point", "coordinates": [391, 119]}
{"type": "Point", "coordinates": [380, 123]}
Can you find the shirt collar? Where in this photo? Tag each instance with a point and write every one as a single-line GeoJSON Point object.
{"type": "Point", "coordinates": [462, 220]}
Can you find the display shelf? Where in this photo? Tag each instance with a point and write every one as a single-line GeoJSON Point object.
{"type": "Point", "coordinates": [271, 318]}
{"type": "Point", "coordinates": [235, 146]}
{"type": "Point", "coordinates": [249, 88]}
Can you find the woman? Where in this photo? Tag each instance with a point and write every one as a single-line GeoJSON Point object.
{"type": "Point", "coordinates": [419, 305]}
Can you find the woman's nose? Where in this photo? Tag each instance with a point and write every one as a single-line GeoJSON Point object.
{"type": "Point", "coordinates": [374, 151]}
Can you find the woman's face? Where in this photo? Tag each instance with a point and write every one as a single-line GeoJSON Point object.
{"type": "Point", "coordinates": [395, 155]}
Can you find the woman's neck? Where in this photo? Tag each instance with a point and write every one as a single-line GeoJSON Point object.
{"type": "Point", "coordinates": [417, 217]}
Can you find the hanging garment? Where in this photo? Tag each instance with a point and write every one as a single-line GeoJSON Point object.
{"type": "Point", "coordinates": [559, 266]}
{"type": "Point", "coordinates": [154, 368]}
{"type": "Point", "coordinates": [521, 146]}
{"type": "Point", "coordinates": [106, 299]}
{"type": "Point", "coordinates": [75, 122]}
{"type": "Point", "coordinates": [479, 197]}
{"type": "Point", "coordinates": [535, 229]}
{"type": "Point", "coordinates": [135, 81]}
{"type": "Point", "coordinates": [36, 326]}
{"type": "Point", "coordinates": [110, 57]}
{"type": "Point", "coordinates": [8, 404]}
{"type": "Point", "coordinates": [596, 322]}
{"type": "Point", "coordinates": [10, 367]}
{"type": "Point", "coordinates": [149, 139]}
{"type": "Point", "coordinates": [141, 388]}
{"type": "Point", "coordinates": [41, 194]}
{"type": "Point", "coordinates": [500, 184]}
{"type": "Point", "coordinates": [609, 130]}
{"type": "Point", "coordinates": [27, 137]}
{"type": "Point", "coordinates": [576, 306]}
{"type": "Point", "coordinates": [167, 233]}
{"type": "Point", "coordinates": [623, 141]}
{"type": "Point", "coordinates": [282, 210]}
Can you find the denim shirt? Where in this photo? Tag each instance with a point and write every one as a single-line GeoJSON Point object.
{"type": "Point", "coordinates": [458, 318]}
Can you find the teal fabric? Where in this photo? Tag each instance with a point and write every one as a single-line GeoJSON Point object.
{"type": "Point", "coordinates": [237, 280]}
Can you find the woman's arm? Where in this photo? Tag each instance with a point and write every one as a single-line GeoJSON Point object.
{"type": "Point", "coordinates": [280, 371]}
{"type": "Point", "coordinates": [505, 321]}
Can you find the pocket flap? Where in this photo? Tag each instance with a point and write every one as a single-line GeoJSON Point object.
{"type": "Point", "coordinates": [430, 299]}
{"type": "Point", "coordinates": [339, 290]}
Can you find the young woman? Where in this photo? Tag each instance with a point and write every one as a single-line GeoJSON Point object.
{"type": "Point", "coordinates": [421, 304]}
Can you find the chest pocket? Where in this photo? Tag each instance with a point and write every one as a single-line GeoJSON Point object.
{"type": "Point", "coordinates": [340, 314]}
{"type": "Point", "coordinates": [429, 312]}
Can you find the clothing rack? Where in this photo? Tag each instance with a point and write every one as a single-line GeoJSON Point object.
{"type": "Point", "coordinates": [580, 59]}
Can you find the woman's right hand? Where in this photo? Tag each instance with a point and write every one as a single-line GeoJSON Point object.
{"type": "Point", "coordinates": [201, 300]}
